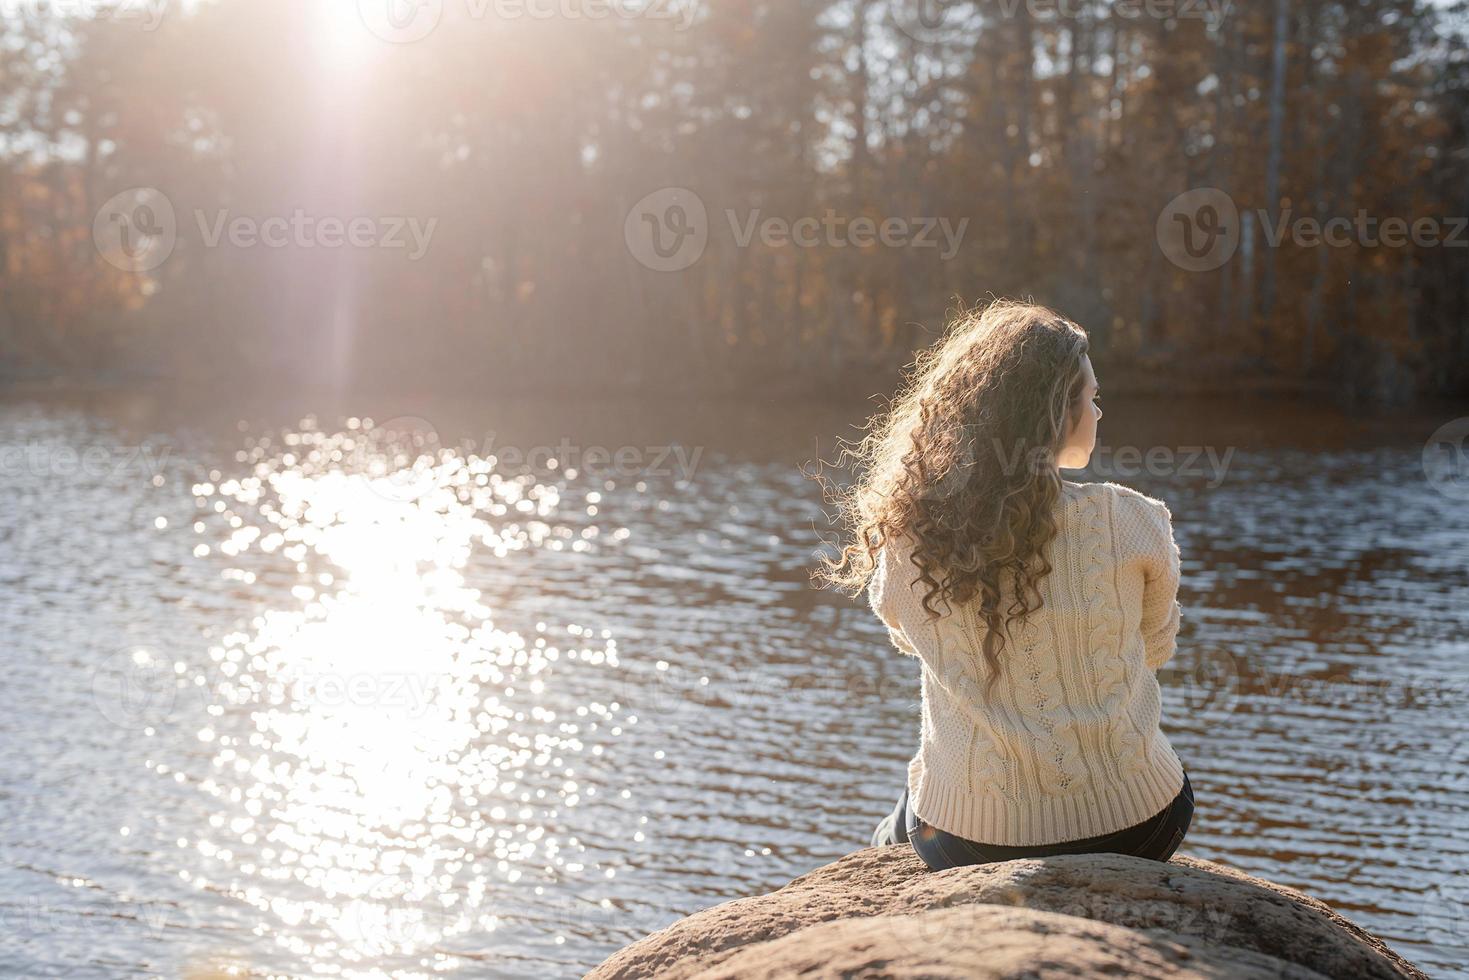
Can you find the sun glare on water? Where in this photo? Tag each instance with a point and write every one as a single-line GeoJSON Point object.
{"type": "Point", "coordinates": [385, 756]}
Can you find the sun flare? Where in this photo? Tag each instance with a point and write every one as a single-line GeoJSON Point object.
{"type": "Point", "coordinates": [341, 37]}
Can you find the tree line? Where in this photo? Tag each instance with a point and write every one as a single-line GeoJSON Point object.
{"type": "Point", "coordinates": [724, 194]}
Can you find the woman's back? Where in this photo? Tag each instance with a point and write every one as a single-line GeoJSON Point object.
{"type": "Point", "coordinates": [1039, 608]}
{"type": "Point", "coordinates": [1066, 743]}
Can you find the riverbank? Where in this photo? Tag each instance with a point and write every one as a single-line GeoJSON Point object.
{"type": "Point", "coordinates": [1372, 386]}
{"type": "Point", "coordinates": [794, 426]}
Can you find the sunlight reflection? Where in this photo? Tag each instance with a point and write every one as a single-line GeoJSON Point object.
{"type": "Point", "coordinates": [383, 752]}
{"type": "Point", "coordinates": [340, 36]}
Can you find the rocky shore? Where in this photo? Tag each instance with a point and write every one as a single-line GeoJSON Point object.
{"type": "Point", "coordinates": [879, 913]}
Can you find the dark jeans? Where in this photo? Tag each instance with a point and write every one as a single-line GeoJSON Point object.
{"type": "Point", "coordinates": [1156, 837]}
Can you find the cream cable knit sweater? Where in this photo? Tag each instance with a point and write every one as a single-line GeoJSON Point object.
{"type": "Point", "coordinates": [1068, 746]}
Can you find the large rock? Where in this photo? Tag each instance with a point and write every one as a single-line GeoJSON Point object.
{"type": "Point", "coordinates": [879, 912]}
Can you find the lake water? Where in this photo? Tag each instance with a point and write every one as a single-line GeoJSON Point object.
{"type": "Point", "coordinates": [280, 702]}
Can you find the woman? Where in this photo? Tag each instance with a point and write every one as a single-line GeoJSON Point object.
{"type": "Point", "coordinates": [1039, 608]}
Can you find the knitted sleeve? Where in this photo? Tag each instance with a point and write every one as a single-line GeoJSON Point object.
{"type": "Point", "coordinates": [886, 592]}
{"type": "Point", "coordinates": [1160, 586]}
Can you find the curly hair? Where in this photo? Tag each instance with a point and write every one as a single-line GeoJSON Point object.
{"type": "Point", "coordinates": [960, 467]}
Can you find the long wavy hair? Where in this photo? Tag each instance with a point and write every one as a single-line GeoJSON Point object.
{"type": "Point", "coordinates": [961, 467]}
